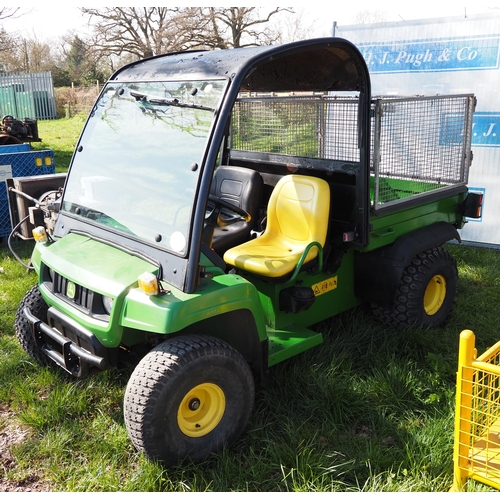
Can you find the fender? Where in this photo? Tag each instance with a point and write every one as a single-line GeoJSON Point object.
{"type": "Point", "coordinates": [239, 329]}
{"type": "Point", "coordinates": [377, 274]}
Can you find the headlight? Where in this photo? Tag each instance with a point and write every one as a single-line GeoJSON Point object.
{"type": "Point", "coordinates": [107, 303]}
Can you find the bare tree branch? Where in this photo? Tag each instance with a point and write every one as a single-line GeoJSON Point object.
{"type": "Point", "coordinates": [370, 16]}
{"type": "Point", "coordinates": [135, 30]}
{"type": "Point", "coordinates": [148, 31]}
{"type": "Point", "coordinates": [6, 12]}
{"type": "Point", "coordinates": [239, 26]}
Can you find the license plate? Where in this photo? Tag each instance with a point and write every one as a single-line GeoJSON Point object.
{"type": "Point", "coordinates": [325, 286]}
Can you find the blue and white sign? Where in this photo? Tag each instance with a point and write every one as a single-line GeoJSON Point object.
{"type": "Point", "coordinates": [448, 54]}
{"type": "Point", "coordinates": [486, 129]}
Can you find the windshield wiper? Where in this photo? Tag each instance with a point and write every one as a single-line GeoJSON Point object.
{"type": "Point", "coordinates": [169, 102]}
{"type": "Point", "coordinates": [102, 218]}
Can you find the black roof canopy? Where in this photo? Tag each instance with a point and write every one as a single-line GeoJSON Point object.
{"type": "Point", "coordinates": [321, 64]}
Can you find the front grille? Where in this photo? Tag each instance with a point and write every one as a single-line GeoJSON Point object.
{"type": "Point", "coordinates": [82, 296]}
{"type": "Point", "coordinates": [84, 299]}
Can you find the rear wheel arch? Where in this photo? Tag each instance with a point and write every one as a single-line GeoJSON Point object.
{"type": "Point", "coordinates": [377, 274]}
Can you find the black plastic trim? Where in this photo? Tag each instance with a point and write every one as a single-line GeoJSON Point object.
{"type": "Point", "coordinates": [71, 357]}
{"type": "Point", "coordinates": [377, 274]}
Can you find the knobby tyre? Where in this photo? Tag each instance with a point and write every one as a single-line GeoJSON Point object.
{"type": "Point", "coordinates": [188, 398]}
{"type": "Point", "coordinates": [426, 293]}
{"type": "Point", "coordinates": [34, 301]}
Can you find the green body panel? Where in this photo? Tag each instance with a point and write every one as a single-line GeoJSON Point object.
{"type": "Point", "coordinates": [112, 272]}
{"type": "Point", "coordinates": [92, 264]}
{"type": "Point", "coordinates": [284, 344]}
{"type": "Point", "coordinates": [387, 228]}
{"type": "Point", "coordinates": [96, 266]}
{"type": "Point", "coordinates": [174, 310]}
{"type": "Point", "coordinates": [338, 298]}
{"type": "Point", "coordinates": [393, 189]}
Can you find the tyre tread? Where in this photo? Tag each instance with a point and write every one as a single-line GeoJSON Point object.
{"type": "Point", "coordinates": [406, 310]}
{"type": "Point", "coordinates": [148, 380]}
{"type": "Point", "coordinates": [34, 301]}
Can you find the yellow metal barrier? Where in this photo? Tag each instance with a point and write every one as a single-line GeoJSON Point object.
{"type": "Point", "coordinates": [476, 453]}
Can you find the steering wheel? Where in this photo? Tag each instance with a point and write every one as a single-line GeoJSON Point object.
{"type": "Point", "coordinates": [220, 203]}
{"type": "Point", "coordinates": [213, 218]}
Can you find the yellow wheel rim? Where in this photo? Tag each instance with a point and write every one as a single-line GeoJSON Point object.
{"type": "Point", "coordinates": [201, 410]}
{"type": "Point", "coordinates": [435, 294]}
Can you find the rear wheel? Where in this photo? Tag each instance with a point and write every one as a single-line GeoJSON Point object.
{"type": "Point", "coordinates": [426, 293]}
{"type": "Point", "coordinates": [187, 398]}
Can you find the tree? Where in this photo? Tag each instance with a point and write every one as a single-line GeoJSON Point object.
{"type": "Point", "coordinates": [26, 55]}
{"type": "Point", "coordinates": [235, 27]}
{"type": "Point", "coordinates": [140, 31]}
{"type": "Point", "coordinates": [22, 54]}
{"type": "Point", "coordinates": [60, 77]}
{"type": "Point", "coordinates": [70, 62]}
{"type": "Point", "coordinates": [294, 28]}
{"type": "Point", "coordinates": [7, 42]}
{"type": "Point", "coordinates": [148, 31]}
{"type": "Point", "coordinates": [76, 57]}
{"type": "Point", "coordinates": [80, 63]}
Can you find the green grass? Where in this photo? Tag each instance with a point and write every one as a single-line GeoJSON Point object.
{"type": "Point", "coordinates": [60, 136]}
{"type": "Point", "coordinates": [369, 410]}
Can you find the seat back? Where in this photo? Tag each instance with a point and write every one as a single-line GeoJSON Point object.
{"type": "Point", "coordinates": [243, 188]}
{"type": "Point", "coordinates": [297, 215]}
{"type": "Point", "coordinates": [298, 210]}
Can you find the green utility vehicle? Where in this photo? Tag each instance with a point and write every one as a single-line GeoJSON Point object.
{"type": "Point", "coordinates": [221, 203]}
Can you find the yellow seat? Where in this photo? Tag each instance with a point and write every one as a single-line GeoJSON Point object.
{"type": "Point", "coordinates": [297, 215]}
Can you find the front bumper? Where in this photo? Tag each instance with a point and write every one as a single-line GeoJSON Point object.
{"type": "Point", "coordinates": [68, 344]}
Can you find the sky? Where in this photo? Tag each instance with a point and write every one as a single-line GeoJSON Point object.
{"type": "Point", "coordinates": [49, 22]}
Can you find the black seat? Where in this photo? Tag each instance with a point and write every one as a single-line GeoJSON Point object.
{"type": "Point", "coordinates": [241, 187]}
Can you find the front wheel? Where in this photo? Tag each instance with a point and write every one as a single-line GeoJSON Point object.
{"type": "Point", "coordinates": [426, 293]}
{"type": "Point", "coordinates": [187, 398]}
{"type": "Point", "coordinates": [24, 330]}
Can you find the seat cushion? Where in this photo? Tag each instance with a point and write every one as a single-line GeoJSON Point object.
{"type": "Point", "coordinates": [297, 216]}
{"type": "Point", "coordinates": [267, 258]}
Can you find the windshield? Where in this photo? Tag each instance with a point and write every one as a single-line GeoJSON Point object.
{"type": "Point", "coordinates": [137, 165]}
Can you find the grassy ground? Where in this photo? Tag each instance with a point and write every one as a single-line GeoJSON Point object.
{"type": "Point", "coordinates": [369, 410]}
{"type": "Point", "coordinates": [61, 136]}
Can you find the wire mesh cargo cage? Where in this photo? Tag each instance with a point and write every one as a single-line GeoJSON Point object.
{"type": "Point", "coordinates": [419, 145]}
{"type": "Point", "coordinates": [477, 415]}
